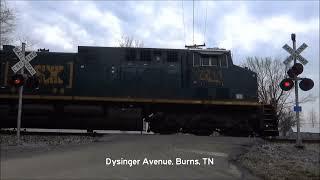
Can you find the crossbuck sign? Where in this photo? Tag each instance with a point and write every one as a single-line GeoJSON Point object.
{"type": "Point", "coordinates": [295, 54]}
{"type": "Point", "coordinates": [24, 61]}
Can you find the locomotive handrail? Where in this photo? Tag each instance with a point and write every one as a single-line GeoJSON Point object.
{"type": "Point", "coordinates": [137, 100]}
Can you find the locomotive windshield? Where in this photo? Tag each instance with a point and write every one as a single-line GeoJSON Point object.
{"type": "Point", "coordinates": [212, 60]}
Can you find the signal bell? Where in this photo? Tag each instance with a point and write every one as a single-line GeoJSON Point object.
{"type": "Point", "coordinates": [17, 80]}
{"type": "Point", "coordinates": [306, 84]}
{"type": "Point", "coordinates": [286, 84]}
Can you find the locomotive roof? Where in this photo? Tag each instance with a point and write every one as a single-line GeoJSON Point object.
{"type": "Point", "coordinates": [208, 51]}
{"type": "Point", "coordinates": [202, 51]}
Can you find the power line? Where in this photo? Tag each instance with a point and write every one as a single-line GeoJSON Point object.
{"type": "Point", "coordinates": [184, 27]}
{"type": "Point", "coordinates": [197, 17]}
{"type": "Point", "coordinates": [193, 45]}
{"type": "Point", "coordinates": [205, 24]}
{"type": "Point", "coordinates": [193, 22]}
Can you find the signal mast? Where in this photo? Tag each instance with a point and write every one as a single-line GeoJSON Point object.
{"type": "Point", "coordinates": [305, 84]}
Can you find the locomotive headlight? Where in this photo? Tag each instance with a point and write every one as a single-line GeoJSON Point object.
{"type": "Point", "coordinates": [239, 96]}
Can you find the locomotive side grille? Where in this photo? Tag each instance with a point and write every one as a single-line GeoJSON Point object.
{"type": "Point", "coordinates": [145, 55]}
{"type": "Point", "coordinates": [223, 93]}
{"type": "Point", "coordinates": [172, 56]}
{"type": "Point", "coordinates": [131, 55]}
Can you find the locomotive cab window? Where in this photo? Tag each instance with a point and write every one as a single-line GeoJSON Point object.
{"type": "Point", "coordinates": [214, 61]}
{"type": "Point", "coordinates": [205, 61]}
{"type": "Point", "coordinates": [208, 61]}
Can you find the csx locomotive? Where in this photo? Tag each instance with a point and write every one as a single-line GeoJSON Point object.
{"type": "Point", "coordinates": [195, 91]}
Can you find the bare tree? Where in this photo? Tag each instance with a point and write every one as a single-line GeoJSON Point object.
{"type": "Point", "coordinates": [129, 41]}
{"type": "Point", "coordinates": [302, 119]}
{"type": "Point", "coordinates": [7, 23]}
{"type": "Point", "coordinates": [313, 117]}
{"type": "Point", "coordinates": [30, 42]}
{"type": "Point", "coordinates": [270, 72]}
{"type": "Point", "coordinates": [287, 121]}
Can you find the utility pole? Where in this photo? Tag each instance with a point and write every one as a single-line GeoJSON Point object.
{"type": "Point", "coordinates": [20, 99]}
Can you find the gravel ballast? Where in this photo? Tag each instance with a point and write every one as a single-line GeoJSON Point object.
{"type": "Point", "coordinates": [10, 139]}
{"type": "Point", "coordinates": [283, 161]}
{"type": "Point", "coordinates": [33, 144]}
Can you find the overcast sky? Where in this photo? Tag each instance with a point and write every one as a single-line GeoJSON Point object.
{"type": "Point", "coordinates": [247, 28]}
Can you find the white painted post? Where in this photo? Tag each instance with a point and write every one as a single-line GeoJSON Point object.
{"type": "Point", "coordinates": [20, 100]}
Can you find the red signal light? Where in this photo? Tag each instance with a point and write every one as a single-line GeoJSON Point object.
{"type": "Point", "coordinates": [286, 84]}
{"type": "Point", "coordinates": [17, 80]}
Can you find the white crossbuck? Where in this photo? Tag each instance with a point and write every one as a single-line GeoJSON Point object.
{"type": "Point", "coordinates": [295, 54]}
{"type": "Point", "coordinates": [24, 61]}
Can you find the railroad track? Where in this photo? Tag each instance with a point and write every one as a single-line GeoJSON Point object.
{"type": "Point", "coordinates": [58, 132]}
{"type": "Point", "coordinates": [292, 140]}
{"type": "Point", "coordinates": [101, 133]}
{"type": "Point", "coordinates": [51, 133]}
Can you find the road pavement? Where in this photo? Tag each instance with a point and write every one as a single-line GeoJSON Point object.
{"type": "Point", "coordinates": [135, 156]}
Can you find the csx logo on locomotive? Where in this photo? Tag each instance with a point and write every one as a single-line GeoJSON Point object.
{"type": "Point", "coordinates": [210, 76]}
{"type": "Point", "coordinates": [50, 74]}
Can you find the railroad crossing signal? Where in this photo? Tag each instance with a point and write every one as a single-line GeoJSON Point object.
{"type": "Point", "coordinates": [295, 53]}
{"type": "Point", "coordinates": [18, 79]}
{"type": "Point", "coordinates": [305, 83]}
{"type": "Point", "coordinates": [24, 61]}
